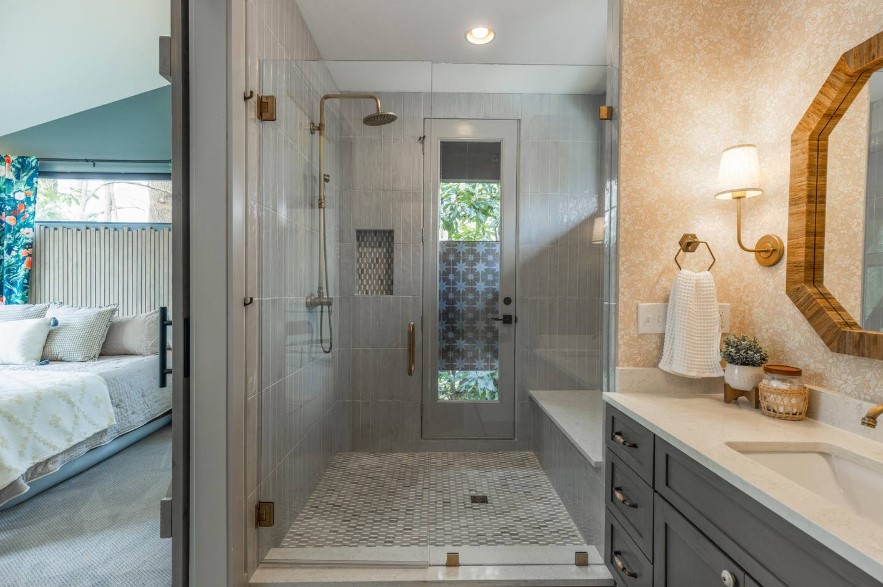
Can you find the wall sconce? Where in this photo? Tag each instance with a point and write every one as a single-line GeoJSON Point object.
{"type": "Point", "coordinates": [598, 231]}
{"type": "Point", "coordinates": [739, 178]}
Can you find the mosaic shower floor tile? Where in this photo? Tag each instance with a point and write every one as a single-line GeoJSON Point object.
{"type": "Point", "coordinates": [433, 499]}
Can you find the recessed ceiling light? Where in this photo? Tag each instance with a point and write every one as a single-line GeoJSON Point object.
{"type": "Point", "coordinates": [480, 35]}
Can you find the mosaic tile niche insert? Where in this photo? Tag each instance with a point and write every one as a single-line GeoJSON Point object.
{"type": "Point", "coordinates": [374, 262]}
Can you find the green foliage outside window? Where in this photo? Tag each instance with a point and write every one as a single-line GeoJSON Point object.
{"type": "Point", "coordinates": [468, 385]}
{"type": "Point", "coordinates": [469, 212]}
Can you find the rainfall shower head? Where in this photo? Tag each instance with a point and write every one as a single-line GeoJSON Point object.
{"type": "Point", "coordinates": [380, 118]}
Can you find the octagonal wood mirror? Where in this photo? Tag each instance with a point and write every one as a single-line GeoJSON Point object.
{"type": "Point", "coordinates": [844, 307]}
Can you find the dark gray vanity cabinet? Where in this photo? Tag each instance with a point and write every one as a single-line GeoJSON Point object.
{"type": "Point", "coordinates": [685, 557]}
{"type": "Point", "coordinates": [671, 522]}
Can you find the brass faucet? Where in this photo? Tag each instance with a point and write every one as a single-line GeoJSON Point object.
{"type": "Point", "coordinates": [870, 419]}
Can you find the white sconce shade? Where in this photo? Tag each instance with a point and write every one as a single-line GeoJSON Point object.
{"type": "Point", "coordinates": [737, 179]}
{"type": "Point", "coordinates": [598, 231]}
{"type": "Point", "coordinates": [739, 174]}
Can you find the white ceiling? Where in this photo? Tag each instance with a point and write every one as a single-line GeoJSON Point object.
{"type": "Point", "coordinates": [391, 45]}
{"type": "Point", "coordinates": [78, 55]}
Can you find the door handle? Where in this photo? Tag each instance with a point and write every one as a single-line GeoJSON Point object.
{"type": "Point", "coordinates": [412, 352]}
{"type": "Point", "coordinates": [164, 322]}
{"type": "Point", "coordinates": [505, 318]}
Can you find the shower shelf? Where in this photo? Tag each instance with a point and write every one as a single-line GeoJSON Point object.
{"type": "Point", "coordinates": [374, 262]}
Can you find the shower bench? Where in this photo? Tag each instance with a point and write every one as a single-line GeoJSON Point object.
{"type": "Point", "coordinates": [567, 440]}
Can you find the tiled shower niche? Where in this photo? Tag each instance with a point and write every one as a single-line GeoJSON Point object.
{"type": "Point", "coordinates": [374, 262]}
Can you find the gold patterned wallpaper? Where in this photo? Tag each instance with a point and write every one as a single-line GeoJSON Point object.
{"type": "Point", "coordinates": [698, 77]}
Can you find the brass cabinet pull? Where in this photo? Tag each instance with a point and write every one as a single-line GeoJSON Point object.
{"type": "Point", "coordinates": [621, 498]}
{"type": "Point", "coordinates": [411, 349]}
{"type": "Point", "coordinates": [620, 440]}
{"type": "Point", "coordinates": [621, 565]}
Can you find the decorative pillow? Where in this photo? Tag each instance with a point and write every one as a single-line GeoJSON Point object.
{"type": "Point", "coordinates": [80, 332]}
{"type": "Point", "coordinates": [22, 311]}
{"type": "Point", "coordinates": [21, 341]}
{"type": "Point", "coordinates": [133, 335]}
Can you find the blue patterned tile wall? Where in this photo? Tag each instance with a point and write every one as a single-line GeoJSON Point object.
{"type": "Point", "coordinates": [469, 289]}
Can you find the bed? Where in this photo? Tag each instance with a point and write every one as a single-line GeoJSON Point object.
{"type": "Point", "coordinates": [138, 408]}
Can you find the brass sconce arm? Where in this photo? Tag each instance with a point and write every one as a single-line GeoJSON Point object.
{"type": "Point", "coordinates": [769, 250]}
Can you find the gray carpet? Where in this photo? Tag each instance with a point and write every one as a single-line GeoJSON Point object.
{"type": "Point", "coordinates": [100, 528]}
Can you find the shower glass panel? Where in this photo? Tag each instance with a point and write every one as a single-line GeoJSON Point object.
{"type": "Point", "coordinates": [367, 465]}
{"type": "Point", "coordinates": [306, 466]}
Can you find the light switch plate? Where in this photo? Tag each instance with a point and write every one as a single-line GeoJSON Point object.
{"type": "Point", "coordinates": [724, 310]}
{"type": "Point", "coordinates": [651, 318]}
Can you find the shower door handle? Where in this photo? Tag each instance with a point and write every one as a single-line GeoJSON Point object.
{"type": "Point", "coordinates": [412, 350]}
{"type": "Point", "coordinates": [505, 318]}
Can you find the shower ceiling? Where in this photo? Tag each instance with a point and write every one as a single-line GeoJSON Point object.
{"type": "Point", "coordinates": [553, 46]}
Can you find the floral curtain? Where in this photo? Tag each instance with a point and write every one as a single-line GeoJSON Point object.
{"type": "Point", "coordinates": [18, 196]}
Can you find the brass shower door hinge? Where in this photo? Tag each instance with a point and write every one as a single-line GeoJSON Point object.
{"type": "Point", "coordinates": [264, 514]}
{"type": "Point", "coordinates": [605, 113]}
{"type": "Point", "coordinates": [266, 108]}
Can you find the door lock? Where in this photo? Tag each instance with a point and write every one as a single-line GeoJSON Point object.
{"type": "Point", "coordinates": [505, 318]}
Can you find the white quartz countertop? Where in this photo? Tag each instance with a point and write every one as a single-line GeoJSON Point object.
{"type": "Point", "coordinates": [579, 414]}
{"type": "Point", "coordinates": [700, 426]}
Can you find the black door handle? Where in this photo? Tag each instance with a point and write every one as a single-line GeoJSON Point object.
{"type": "Point", "coordinates": [505, 318]}
{"type": "Point", "coordinates": [164, 322]}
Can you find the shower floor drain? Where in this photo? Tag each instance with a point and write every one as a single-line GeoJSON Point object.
{"type": "Point", "coordinates": [478, 498]}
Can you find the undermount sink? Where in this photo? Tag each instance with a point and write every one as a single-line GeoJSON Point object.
{"type": "Point", "coordinates": [834, 473]}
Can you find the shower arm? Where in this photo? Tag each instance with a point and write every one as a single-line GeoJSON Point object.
{"type": "Point", "coordinates": [320, 128]}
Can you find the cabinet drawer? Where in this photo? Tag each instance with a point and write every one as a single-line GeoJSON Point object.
{"type": "Point", "coordinates": [627, 564]}
{"type": "Point", "coordinates": [631, 501]}
{"type": "Point", "coordinates": [631, 442]}
{"type": "Point", "coordinates": [687, 558]}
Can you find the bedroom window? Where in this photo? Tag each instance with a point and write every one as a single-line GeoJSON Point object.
{"type": "Point", "coordinates": [109, 199]}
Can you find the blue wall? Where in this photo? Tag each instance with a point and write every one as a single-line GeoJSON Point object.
{"type": "Point", "coordinates": [139, 127]}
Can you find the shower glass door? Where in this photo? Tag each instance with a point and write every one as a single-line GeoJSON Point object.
{"type": "Point", "coordinates": [469, 292]}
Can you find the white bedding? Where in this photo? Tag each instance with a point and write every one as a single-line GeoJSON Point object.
{"type": "Point", "coordinates": [43, 414]}
{"type": "Point", "coordinates": [134, 395]}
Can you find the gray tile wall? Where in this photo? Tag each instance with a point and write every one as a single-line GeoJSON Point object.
{"type": "Point", "coordinates": [382, 190]}
{"type": "Point", "coordinates": [579, 485]}
{"type": "Point", "coordinates": [559, 278]}
{"type": "Point", "coordinates": [296, 412]}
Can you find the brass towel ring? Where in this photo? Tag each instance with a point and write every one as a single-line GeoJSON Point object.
{"type": "Point", "coordinates": [688, 244]}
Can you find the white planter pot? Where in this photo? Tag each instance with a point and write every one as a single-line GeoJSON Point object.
{"type": "Point", "coordinates": [743, 377]}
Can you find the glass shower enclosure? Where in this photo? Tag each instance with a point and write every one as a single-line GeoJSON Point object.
{"type": "Point", "coordinates": [462, 275]}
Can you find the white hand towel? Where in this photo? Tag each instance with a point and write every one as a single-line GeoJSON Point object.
{"type": "Point", "coordinates": [692, 328]}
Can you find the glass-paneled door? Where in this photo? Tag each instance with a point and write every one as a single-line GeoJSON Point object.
{"type": "Point", "coordinates": [469, 289]}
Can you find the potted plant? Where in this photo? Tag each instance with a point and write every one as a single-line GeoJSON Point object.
{"type": "Point", "coordinates": [745, 360]}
